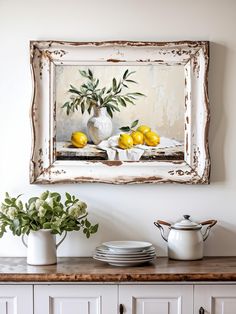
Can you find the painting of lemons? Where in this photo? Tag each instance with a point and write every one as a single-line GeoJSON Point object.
{"type": "Point", "coordinates": [127, 112]}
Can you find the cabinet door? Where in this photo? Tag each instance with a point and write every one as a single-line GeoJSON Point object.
{"type": "Point", "coordinates": [16, 299]}
{"type": "Point", "coordinates": [75, 299]}
{"type": "Point", "coordinates": [215, 299]}
{"type": "Point", "coordinates": [156, 299]}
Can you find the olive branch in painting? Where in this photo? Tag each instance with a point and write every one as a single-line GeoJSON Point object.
{"type": "Point", "coordinates": [89, 95]}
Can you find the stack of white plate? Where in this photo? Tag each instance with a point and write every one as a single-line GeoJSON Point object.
{"type": "Point", "coordinates": [125, 253]}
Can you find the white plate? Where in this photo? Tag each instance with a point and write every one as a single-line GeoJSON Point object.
{"type": "Point", "coordinates": [123, 263]}
{"type": "Point", "coordinates": [125, 256]}
{"type": "Point", "coordinates": [130, 246]}
{"type": "Point", "coordinates": [105, 250]}
{"type": "Point", "coordinates": [124, 259]}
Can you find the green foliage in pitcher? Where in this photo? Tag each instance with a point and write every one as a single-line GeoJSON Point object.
{"type": "Point", "coordinates": [45, 212]}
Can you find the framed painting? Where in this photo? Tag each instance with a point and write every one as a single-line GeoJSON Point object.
{"type": "Point", "coordinates": [120, 112]}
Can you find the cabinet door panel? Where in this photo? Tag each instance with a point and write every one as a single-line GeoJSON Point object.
{"type": "Point", "coordinates": [156, 299]}
{"type": "Point", "coordinates": [75, 299]}
{"type": "Point", "coordinates": [16, 299]}
{"type": "Point", "coordinates": [215, 299]}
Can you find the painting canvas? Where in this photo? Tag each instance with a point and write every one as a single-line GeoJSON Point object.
{"type": "Point", "coordinates": [156, 102]}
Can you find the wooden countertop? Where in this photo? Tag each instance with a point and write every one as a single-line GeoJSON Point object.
{"type": "Point", "coordinates": [84, 269]}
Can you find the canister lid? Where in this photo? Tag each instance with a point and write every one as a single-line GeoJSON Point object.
{"type": "Point", "coordinates": [186, 224]}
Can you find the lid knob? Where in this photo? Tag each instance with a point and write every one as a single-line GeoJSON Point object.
{"type": "Point", "coordinates": [186, 217]}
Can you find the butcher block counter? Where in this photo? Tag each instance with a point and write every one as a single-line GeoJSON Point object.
{"type": "Point", "coordinates": [86, 269]}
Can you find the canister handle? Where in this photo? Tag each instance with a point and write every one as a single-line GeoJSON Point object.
{"type": "Point", "coordinates": [159, 224]}
{"type": "Point", "coordinates": [210, 224]}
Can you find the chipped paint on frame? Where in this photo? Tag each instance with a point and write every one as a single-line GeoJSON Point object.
{"type": "Point", "coordinates": [194, 169]}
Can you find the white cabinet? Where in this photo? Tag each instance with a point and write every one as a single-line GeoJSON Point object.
{"type": "Point", "coordinates": [109, 299]}
{"type": "Point", "coordinates": [16, 299]}
{"type": "Point", "coordinates": [156, 299]}
{"type": "Point", "coordinates": [215, 299]}
{"type": "Point", "coordinates": [75, 299]}
{"type": "Point", "coordinates": [118, 298]}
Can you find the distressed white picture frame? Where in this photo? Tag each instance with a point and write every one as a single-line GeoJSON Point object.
{"type": "Point", "coordinates": [193, 55]}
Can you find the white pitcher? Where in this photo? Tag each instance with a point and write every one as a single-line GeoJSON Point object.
{"type": "Point", "coordinates": [42, 247]}
{"type": "Point", "coordinates": [99, 125]}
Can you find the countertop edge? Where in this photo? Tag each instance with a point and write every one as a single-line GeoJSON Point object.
{"type": "Point", "coordinates": [87, 270]}
{"type": "Point", "coordinates": [231, 277]}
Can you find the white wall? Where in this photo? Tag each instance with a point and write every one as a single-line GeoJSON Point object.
{"type": "Point", "coordinates": [124, 212]}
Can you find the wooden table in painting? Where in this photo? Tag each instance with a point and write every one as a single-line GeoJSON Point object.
{"type": "Point", "coordinates": [65, 151]}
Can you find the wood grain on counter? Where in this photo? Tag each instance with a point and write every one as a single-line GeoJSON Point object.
{"type": "Point", "coordinates": [85, 269]}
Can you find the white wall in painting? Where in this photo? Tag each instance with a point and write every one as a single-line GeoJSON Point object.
{"type": "Point", "coordinates": [125, 211]}
{"type": "Point", "coordinates": [162, 108]}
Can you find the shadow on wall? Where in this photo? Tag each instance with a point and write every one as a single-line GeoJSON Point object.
{"type": "Point", "coordinates": [218, 123]}
{"type": "Point", "coordinates": [221, 240]}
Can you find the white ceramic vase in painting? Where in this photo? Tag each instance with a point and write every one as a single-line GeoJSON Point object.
{"type": "Point", "coordinates": [42, 247]}
{"type": "Point", "coordinates": [99, 125]}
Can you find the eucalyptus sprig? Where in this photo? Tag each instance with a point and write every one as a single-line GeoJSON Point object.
{"type": "Point", "coordinates": [89, 95]}
{"type": "Point", "coordinates": [45, 212]}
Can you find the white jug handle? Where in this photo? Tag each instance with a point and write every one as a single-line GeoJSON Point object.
{"type": "Point", "coordinates": [63, 238]}
{"type": "Point", "coordinates": [23, 241]}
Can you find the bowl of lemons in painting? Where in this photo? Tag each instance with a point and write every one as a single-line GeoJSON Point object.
{"type": "Point", "coordinates": [79, 139]}
{"type": "Point", "coordinates": [125, 141]}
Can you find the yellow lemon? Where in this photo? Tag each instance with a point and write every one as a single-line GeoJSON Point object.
{"type": "Point", "coordinates": [79, 139]}
{"type": "Point", "coordinates": [137, 137]}
{"type": "Point", "coordinates": [143, 129]}
{"type": "Point", "coordinates": [151, 138]}
{"type": "Point", "coordinates": [125, 141]}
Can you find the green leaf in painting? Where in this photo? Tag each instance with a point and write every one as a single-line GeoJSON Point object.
{"type": "Point", "coordinates": [83, 73]}
{"type": "Point", "coordinates": [122, 102]}
{"type": "Point", "coordinates": [90, 107]}
{"type": "Point", "coordinates": [133, 125]}
{"type": "Point", "coordinates": [130, 73]}
{"type": "Point", "coordinates": [90, 73]}
{"type": "Point", "coordinates": [65, 104]}
{"type": "Point", "coordinates": [125, 74]}
{"type": "Point", "coordinates": [137, 94]}
{"type": "Point", "coordinates": [125, 129]}
{"type": "Point", "coordinates": [109, 112]}
{"type": "Point", "coordinates": [74, 88]}
{"type": "Point", "coordinates": [114, 85]}
{"type": "Point", "coordinates": [96, 84]}
{"type": "Point", "coordinates": [128, 100]}
{"type": "Point", "coordinates": [82, 105]}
